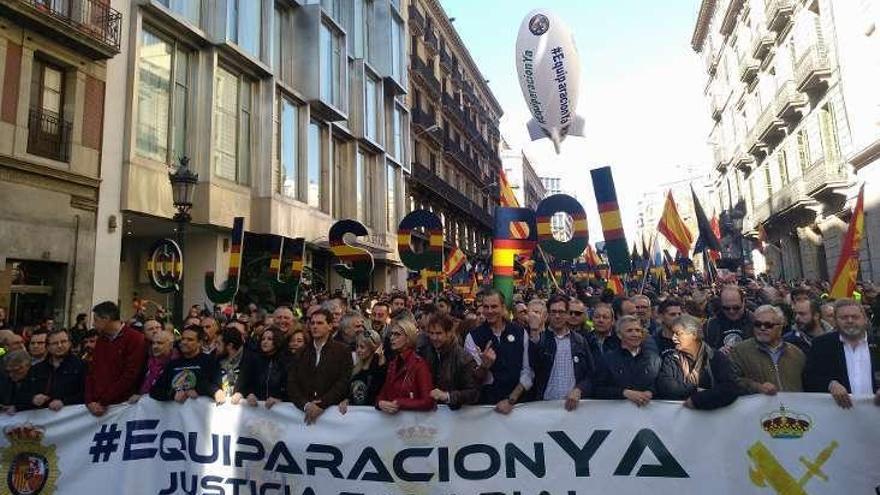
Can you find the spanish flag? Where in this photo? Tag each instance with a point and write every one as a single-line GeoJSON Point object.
{"type": "Point", "coordinates": [848, 264]}
{"type": "Point", "coordinates": [673, 228]}
{"type": "Point", "coordinates": [453, 262]}
{"type": "Point", "coordinates": [519, 230]}
{"type": "Point", "coordinates": [616, 285]}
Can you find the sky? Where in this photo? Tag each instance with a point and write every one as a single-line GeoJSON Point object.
{"type": "Point", "coordinates": [641, 91]}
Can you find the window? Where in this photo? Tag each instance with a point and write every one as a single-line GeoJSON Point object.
{"type": "Point", "coordinates": [360, 191]}
{"type": "Point", "coordinates": [752, 192]}
{"type": "Point", "coordinates": [232, 126]}
{"type": "Point", "coordinates": [828, 130]}
{"type": "Point", "coordinates": [188, 9]}
{"type": "Point", "coordinates": [397, 133]}
{"type": "Point", "coordinates": [359, 41]}
{"type": "Point", "coordinates": [163, 90]}
{"type": "Point", "coordinates": [391, 189]}
{"type": "Point", "coordinates": [243, 24]}
{"type": "Point", "coordinates": [288, 148]}
{"type": "Point", "coordinates": [331, 66]}
{"type": "Point", "coordinates": [313, 193]}
{"type": "Point", "coordinates": [277, 41]}
{"type": "Point", "coordinates": [397, 49]}
{"type": "Point", "coordinates": [48, 133]}
{"type": "Point", "coordinates": [803, 144]}
{"type": "Point", "coordinates": [371, 108]}
{"type": "Point", "coordinates": [783, 166]}
{"type": "Point", "coordinates": [768, 182]}
{"type": "Point", "coordinates": [340, 170]}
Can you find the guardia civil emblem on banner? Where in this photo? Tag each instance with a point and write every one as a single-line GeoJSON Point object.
{"type": "Point", "coordinates": [28, 466]}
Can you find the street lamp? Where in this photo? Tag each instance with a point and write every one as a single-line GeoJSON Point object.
{"type": "Point", "coordinates": [183, 183]}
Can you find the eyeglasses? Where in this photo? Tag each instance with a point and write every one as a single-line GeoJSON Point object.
{"type": "Point", "coordinates": [764, 324]}
{"type": "Point", "coordinates": [558, 311]}
{"type": "Point", "coordinates": [576, 313]}
{"type": "Point", "coordinates": [731, 308]}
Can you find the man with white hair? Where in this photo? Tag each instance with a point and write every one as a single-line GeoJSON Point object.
{"type": "Point", "coordinates": [765, 364]}
{"type": "Point", "coordinates": [841, 362]}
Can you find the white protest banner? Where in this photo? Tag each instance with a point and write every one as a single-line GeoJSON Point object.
{"type": "Point", "coordinates": [788, 444]}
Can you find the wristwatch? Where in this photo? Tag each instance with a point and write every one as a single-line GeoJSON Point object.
{"type": "Point", "coordinates": [511, 400]}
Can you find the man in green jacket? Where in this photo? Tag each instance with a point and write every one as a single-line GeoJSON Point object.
{"type": "Point", "coordinates": [765, 364]}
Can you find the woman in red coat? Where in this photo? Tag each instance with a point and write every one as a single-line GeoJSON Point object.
{"type": "Point", "coordinates": [408, 383]}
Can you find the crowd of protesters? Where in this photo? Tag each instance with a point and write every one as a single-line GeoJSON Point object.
{"type": "Point", "coordinates": [704, 345]}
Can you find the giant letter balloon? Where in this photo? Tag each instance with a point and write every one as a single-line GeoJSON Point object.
{"type": "Point", "coordinates": [573, 247]}
{"type": "Point", "coordinates": [230, 288]}
{"type": "Point", "coordinates": [431, 258]}
{"type": "Point", "coordinates": [505, 247]}
{"type": "Point", "coordinates": [355, 263]}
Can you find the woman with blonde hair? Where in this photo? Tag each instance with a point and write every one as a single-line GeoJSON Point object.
{"type": "Point", "coordinates": [408, 383]}
{"type": "Point", "coordinates": [368, 374]}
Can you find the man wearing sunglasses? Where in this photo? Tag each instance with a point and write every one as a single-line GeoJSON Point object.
{"type": "Point", "coordinates": [732, 324]}
{"type": "Point", "coordinates": [765, 364]}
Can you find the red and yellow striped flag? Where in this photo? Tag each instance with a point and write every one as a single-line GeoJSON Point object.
{"type": "Point", "coordinates": [673, 228]}
{"type": "Point", "coordinates": [453, 262]}
{"type": "Point", "coordinates": [616, 285]}
{"type": "Point", "coordinates": [519, 230]}
{"type": "Point", "coordinates": [844, 282]}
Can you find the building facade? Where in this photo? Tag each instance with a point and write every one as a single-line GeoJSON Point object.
{"type": "Point", "coordinates": [53, 74]}
{"type": "Point", "coordinates": [455, 131]}
{"type": "Point", "coordinates": [782, 124]}
{"type": "Point", "coordinates": [524, 181]}
{"type": "Point", "coordinates": [294, 115]}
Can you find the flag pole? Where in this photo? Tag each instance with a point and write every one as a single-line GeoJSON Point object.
{"type": "Point", "coordinates": [549, 268]}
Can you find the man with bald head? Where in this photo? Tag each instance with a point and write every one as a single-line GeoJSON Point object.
{"type": "Point", "coordinates": [732, 324]}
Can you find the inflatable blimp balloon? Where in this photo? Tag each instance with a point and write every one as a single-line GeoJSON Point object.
{"type": "Point", "coordinates": [549, 76]}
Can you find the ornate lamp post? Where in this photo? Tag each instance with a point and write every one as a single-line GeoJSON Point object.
{"type": "Point", "coordinates": [183, 183]}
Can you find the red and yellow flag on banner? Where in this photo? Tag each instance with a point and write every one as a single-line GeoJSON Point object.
{"type": "Point", "coordinates": [844, 282]}
{"type": "Point", "coordinates": [673, 227]}
{"type": "Point", "coordinates": [519, 230]}
{"type": "Point", "coordinates": [716, 229]}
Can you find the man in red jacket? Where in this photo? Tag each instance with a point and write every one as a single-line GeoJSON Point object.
{"type": "Point", "coordinates": [118, 360]}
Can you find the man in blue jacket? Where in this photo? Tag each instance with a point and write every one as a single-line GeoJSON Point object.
{"type": "Point", "coordinates": [564, 365]}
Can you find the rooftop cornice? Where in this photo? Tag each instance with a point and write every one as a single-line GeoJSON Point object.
{"type": "Point", "coordinates": [707, 9]}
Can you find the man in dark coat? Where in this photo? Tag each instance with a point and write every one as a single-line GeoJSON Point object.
{"type": "Point", "coordinates": [319, 376]}
{"type": "Point", "coordinates": [61, 376]}
{"type": "Point", "coordinates": [845, 362]}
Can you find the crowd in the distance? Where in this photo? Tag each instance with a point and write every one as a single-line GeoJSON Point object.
{"type": "Point", "coordinates": [704, 346]}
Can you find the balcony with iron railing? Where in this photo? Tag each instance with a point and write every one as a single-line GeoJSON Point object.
{"type": "Point", "coordinates": [778, 14]}
{"type": "Point", "coordinates": [748, 67]}
{"type": "Point", "coordinates": [717, 102]}
{"type": "Point", "coordinates": [432, 44]}
{"type": "Point", "coordinates": [827, 173]}
{"type": "Point", "coordinates": [447, 62]}
{"type": "Point", "coordinates": [423, 119]}
{"type": "Point", "coordinates": [446, 192]}
{"type": "Point", "coordinates": [769, 129]}
{"type": "Point", "coordinates": [48, 135]}
{"type": "Point", "coordinates": [426, 74]}
{"type": "Point", "coordinates": [788, 196]}
{"type": "Point", "coordinates": [790, 103]}
{"type": "Point", "coordinates": [453, 108]}
{"type": "Point", "coordinates": [416, 21]}
{"type": "Point", "coordinates": [762, 43]}
{"type": "Point", "coordinates": [90, 27]}
{"type": "Point", "coordinates": [719, 159]}
{"type": "Point", "coordinates": [813, 67]}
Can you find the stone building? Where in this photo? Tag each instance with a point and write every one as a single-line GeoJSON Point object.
{"type": "Point", "coordinates": [53, 75]}
{"type": "Point", "coordinates": [455, 131]}
{"type": "Point", "coordinates": [782, 123]}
